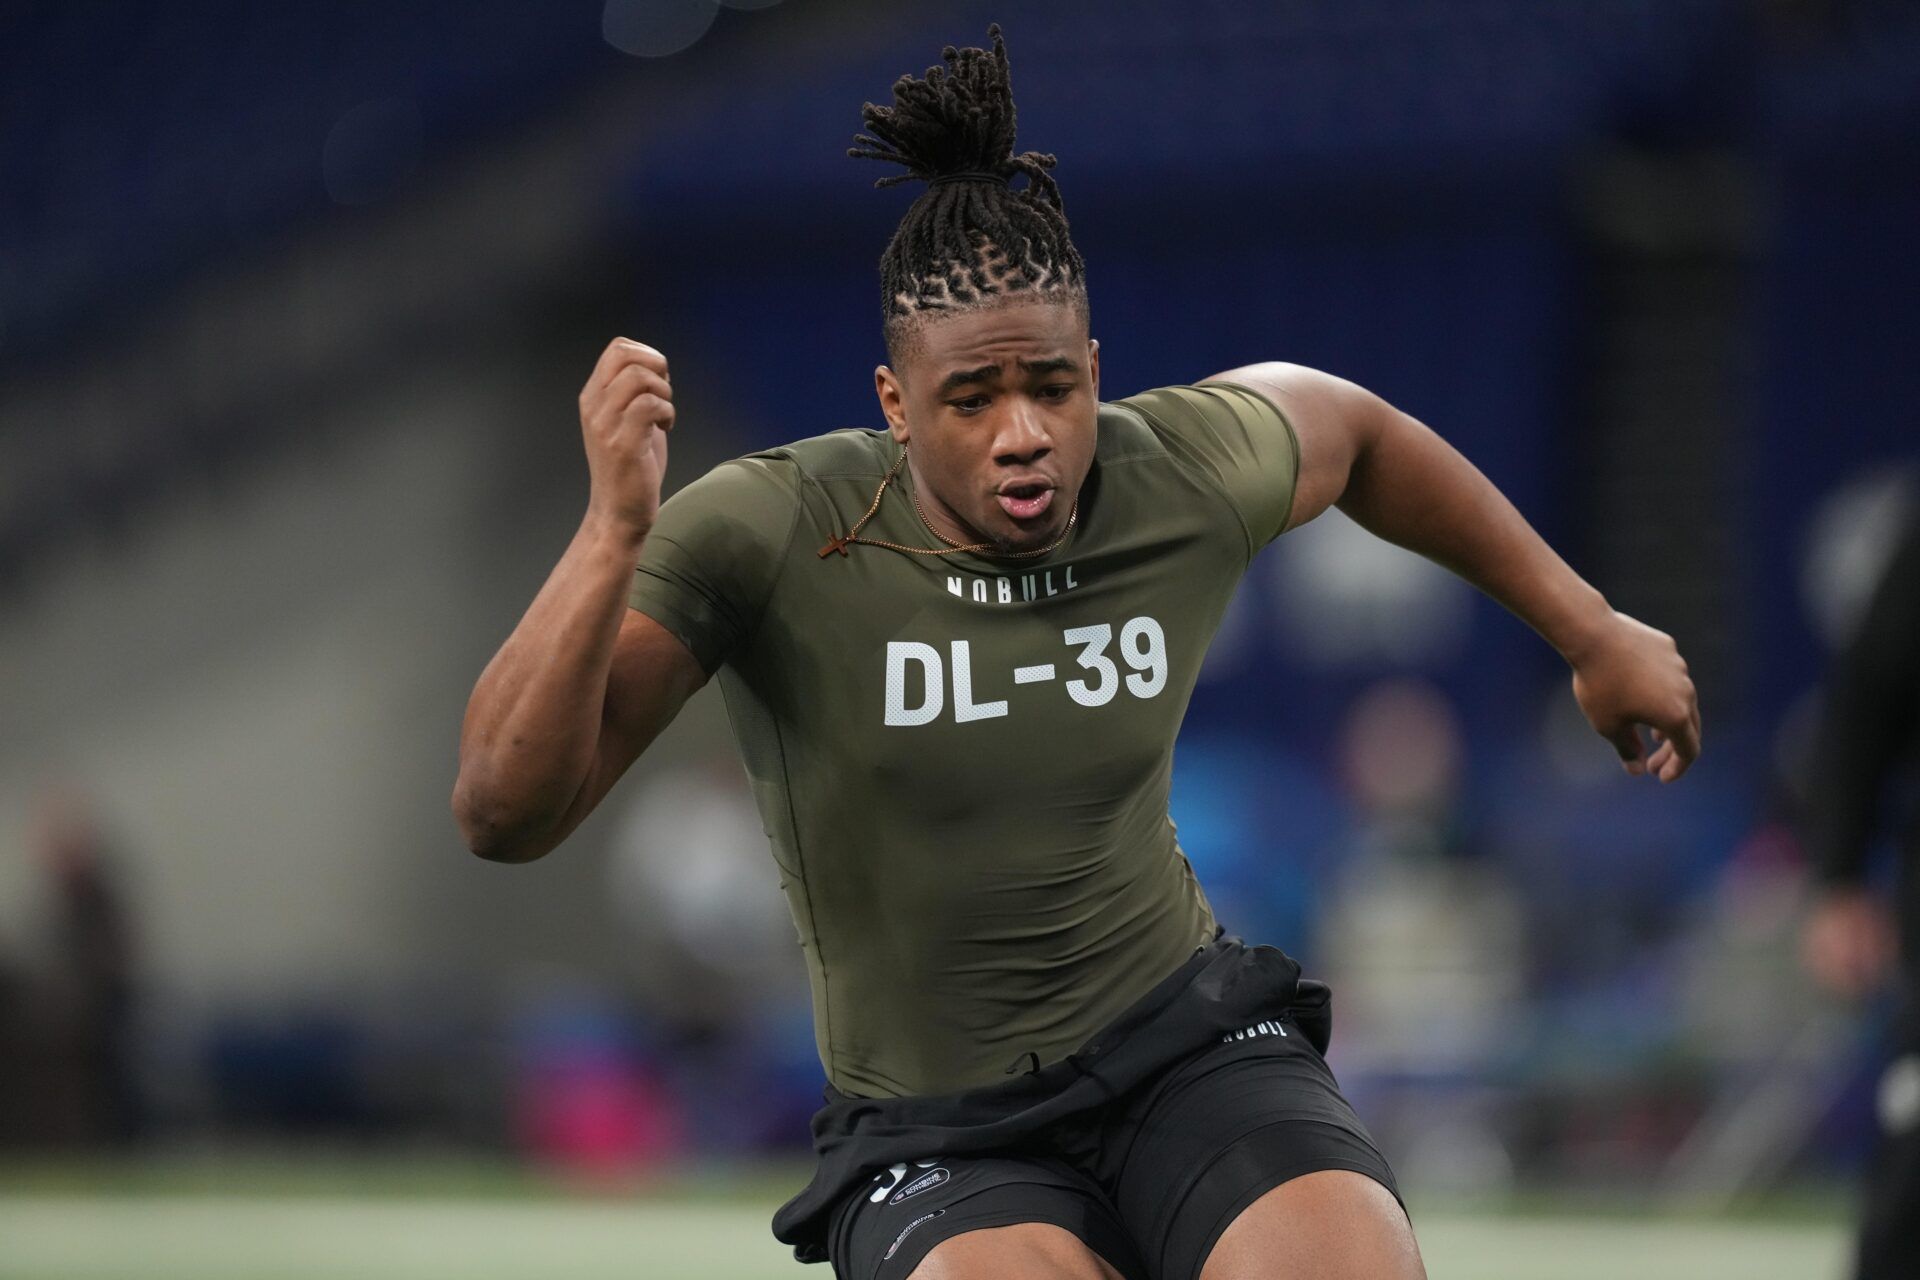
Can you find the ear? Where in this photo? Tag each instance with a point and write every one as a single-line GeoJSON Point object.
{"type": "Point", "coordinates": [893, 401]}
{"type": "Point", "coordinates": [1093, 364]}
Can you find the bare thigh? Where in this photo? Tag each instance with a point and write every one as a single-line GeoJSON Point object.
{"type": "Point", "coordinates": [1329, 1225]}
{"type": "Point", "coordinates": [1028, 1250]}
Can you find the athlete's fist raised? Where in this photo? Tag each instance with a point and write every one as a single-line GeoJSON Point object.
{"type": "Point", "coordinates": [626, 411]}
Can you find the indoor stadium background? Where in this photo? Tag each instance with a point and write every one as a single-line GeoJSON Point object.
{"type": "Point", "coordinates": [295, 301]}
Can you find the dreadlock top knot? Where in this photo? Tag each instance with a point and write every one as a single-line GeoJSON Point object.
{"type": "Point", "coordinates": [969, 176]}
{"type": "Point", "coordinates": [970, 237]}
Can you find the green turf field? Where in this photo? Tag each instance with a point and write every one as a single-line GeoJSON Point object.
{"type": "Point", "coordinates": [286, 1227]}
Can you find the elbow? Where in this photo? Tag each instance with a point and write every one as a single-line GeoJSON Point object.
{"type": "Point", "coordinates": [487, 836]}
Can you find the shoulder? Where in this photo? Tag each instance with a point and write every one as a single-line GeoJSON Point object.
{"type": "Point", "coordinates": [1126, 433]}
{"type": "Point", "coordinates": [766, 495]}
{"type": "Point", "coordinates": [750, 500]}
{"type": "Point", "coordinates": [851, 451]}
{"type": "Point", "coordinates": [1201, 421]}
{"type": "Point", "coordinates": [783, 470]}
{"type": "Point", "coordinates": [1231, 437]}
{"type": "Point", "coordinates": [1178, 408]}
{"type": "Point", "coordinates": [1312, 401]}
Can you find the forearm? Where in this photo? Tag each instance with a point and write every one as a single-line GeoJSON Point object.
{"type": "Point", "coordinates": [1405, 484]}
{"type": "Point", "coordinates": [533, 725]}
{"type": "Point", "coordinates": [1412, 488]}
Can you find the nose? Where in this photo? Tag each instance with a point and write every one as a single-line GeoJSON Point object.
{"type": "Point", "coordinates": [1023, 438]}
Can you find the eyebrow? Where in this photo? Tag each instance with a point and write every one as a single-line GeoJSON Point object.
{"type": "Point", "coordinates": [961, 377]}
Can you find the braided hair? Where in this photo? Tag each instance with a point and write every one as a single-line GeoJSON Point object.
{"type": "Point", "coordinates": [969, 239]}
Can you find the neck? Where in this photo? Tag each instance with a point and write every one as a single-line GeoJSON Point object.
{"type": "Point", "coordinates": [938, 514]}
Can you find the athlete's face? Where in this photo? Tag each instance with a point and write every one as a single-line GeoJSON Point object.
{"type": "Point", "coordinates": [999, 405]}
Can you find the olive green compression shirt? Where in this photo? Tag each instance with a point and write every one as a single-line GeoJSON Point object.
{"type": "Point", "coordinates": [963, 762]}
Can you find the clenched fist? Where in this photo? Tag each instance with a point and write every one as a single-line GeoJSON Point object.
{"type": "Point", "coordinates": [626, 411]}
{"type": "Point", "coordinates": [1631, 675]}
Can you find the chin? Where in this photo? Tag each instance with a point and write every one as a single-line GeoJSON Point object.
{"type": "Point", "coordinates": [1018, 540]}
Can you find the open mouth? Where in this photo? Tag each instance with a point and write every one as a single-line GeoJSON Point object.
{"type": "Point", "coordinates": [1026, 501]}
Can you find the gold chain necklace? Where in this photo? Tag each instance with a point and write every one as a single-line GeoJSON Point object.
{"type": "Point", "coordinates": [840, 543]}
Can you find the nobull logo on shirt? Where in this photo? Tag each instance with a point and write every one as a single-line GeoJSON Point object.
{"type": "Point", "coordinates": [1015, 588]}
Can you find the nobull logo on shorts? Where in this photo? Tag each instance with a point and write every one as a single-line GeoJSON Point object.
{"type": "Point", "coordinates": [1269, 1028]}
{"type": "Point", "coordinates": [892, 1178]}
{"type": "Point", "coordinates": [901, 1238]}
{"type": "Point", "coordinates": [925, 1182]}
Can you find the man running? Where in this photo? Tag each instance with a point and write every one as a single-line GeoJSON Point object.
{"type": "Point", "coordinates": [955, 655]}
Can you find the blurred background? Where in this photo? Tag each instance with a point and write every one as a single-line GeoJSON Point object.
{"type": "Point", "coordinates": [294, 305]}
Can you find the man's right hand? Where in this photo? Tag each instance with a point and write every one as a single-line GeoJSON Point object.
{"type": "Point", "coordinates": [626, 411]}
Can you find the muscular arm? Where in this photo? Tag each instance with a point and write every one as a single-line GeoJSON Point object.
{"type": "Point", "coordinates": [583, 684]}
{"type": "Point", "coordinates": [1399, 480]}
{"type": "Point", "coordinates": [578, 691]}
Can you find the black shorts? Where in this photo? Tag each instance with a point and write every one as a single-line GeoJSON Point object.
{"type": "Point", "coordinates": [1151, 1174]}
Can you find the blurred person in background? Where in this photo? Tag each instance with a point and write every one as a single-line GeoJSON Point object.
{"type": "Point", "coordinates": [689, 866]}
{"type": "Point", "coordinates": [66, 1015]}
{"type": "Point", "coordinates": [1044, 1054]}
{"type": "Point", "coordinates": [16, 1046]}
{"type": "Point", "coordinates": [1422, 933]}
{"type": "Point", "coordinates": [1852, 942]}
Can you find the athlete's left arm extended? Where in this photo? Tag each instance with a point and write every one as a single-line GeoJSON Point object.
{"type": "Point", "coordinates": [1401, 481]}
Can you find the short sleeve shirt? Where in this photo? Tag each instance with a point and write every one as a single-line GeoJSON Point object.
{"type": "Point", "coordinates": [962, 763]}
